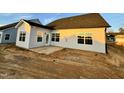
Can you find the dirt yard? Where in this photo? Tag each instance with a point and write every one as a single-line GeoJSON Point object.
{"type": "Point", "coordinates": [17, 63]}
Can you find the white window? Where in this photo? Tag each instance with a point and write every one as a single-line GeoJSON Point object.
{"type": "Point", "coordinates": [55, 37]}
{"type": "Point", "coordinates": [88, 40]}
{"type": "Point", "coordinates": [7, 36]}
{"type": "Point", "coordinates": [85, 40]}
{"type": "Point", "coordinates": [22, 36]}
{"type": "Point", "coordinates": [80, 39]}
{"type": "Point", "coordinates": [39, 36]}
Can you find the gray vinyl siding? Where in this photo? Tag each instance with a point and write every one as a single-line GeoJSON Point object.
{"type": "Point", "coordinates": [33, 37]}
{"type": "Point", "coordinates": [12, 32]}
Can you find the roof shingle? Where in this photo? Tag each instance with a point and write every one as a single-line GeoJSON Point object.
{"type": "Point", "coordinates": [91, 20]}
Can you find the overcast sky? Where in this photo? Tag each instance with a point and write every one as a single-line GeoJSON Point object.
{"type": "Point", "coordinates": [116, 20]}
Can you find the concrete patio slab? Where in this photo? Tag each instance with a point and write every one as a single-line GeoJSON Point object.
{"type": "Point", "coordinates": [46, 49]}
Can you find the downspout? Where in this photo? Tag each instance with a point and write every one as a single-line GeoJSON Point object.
{"type": "Point", "coordinates": [106, 49]}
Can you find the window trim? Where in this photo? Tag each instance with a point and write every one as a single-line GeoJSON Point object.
{"type": "Point", "coordinates": [85, 40]}
{"type": "Point", "coordinates": [90, 42]}
{"type": "Point", "coordinates": [55, 37]}
{"type": "Point", "coordinates": [80, 38]}
{"type": "Point", "coordinates": [22, 36]}
{"type": "Point", "coordinates": [39, 38]}
{"type": "Point", "coordinates": [6, 37]}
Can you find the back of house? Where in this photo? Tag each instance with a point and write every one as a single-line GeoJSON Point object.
{"type": "Point", "coordinates": [8, 33]}
{"type": "Point", "coordinates": [84, 32]}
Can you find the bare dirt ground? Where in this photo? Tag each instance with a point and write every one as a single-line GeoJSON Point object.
{"type": "Point", "coordinates": [17, 63]}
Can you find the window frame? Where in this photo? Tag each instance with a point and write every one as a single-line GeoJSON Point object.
{"type": "Point", "coordinates": [39, 38]}
{"type": "Point", "coordinates": [55, 37]}
{"type": "Point", "coordinates": [88, 40]}
{"type": "Point", "coordinates": [7, 37]}
{"type": "Point", "coordinates": [79, 39]}
{"type": "Point", "coordinates": [22, 36]}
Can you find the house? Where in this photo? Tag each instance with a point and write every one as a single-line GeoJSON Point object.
{"type": "Point", "coordinates": [84, 32]}
{"type": "Point", "coordinates": [117, 38]}
{"type": "Point", "coordinates": [8, 32]}
{"type": "Point", "coordinates": [31, 35]}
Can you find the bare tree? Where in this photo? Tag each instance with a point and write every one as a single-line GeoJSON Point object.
{"type": "Point", "coordinates": [121, 30]}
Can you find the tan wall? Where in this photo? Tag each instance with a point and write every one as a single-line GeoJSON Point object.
{"type": "Point", "coordinates": [119, 40]}
{"type": "Point", "coordinates": [68, 39]}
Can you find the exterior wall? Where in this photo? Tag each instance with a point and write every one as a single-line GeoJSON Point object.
{"type": "Point", "coordinates": [13, 33]}
{"type": "Point", "coordinates": [1, 36]}
{"type": "Point", "coordinates": [26, 28]}
{"type": "Point", "coordinates": [68, 39]}
{"type": "Point", "coordinates": [33, 37]}
{"type": "Point", "coordinates": [119, 39]}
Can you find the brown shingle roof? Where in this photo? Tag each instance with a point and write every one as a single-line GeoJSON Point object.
{"type": "Point", "coordinates": [91, 20]}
